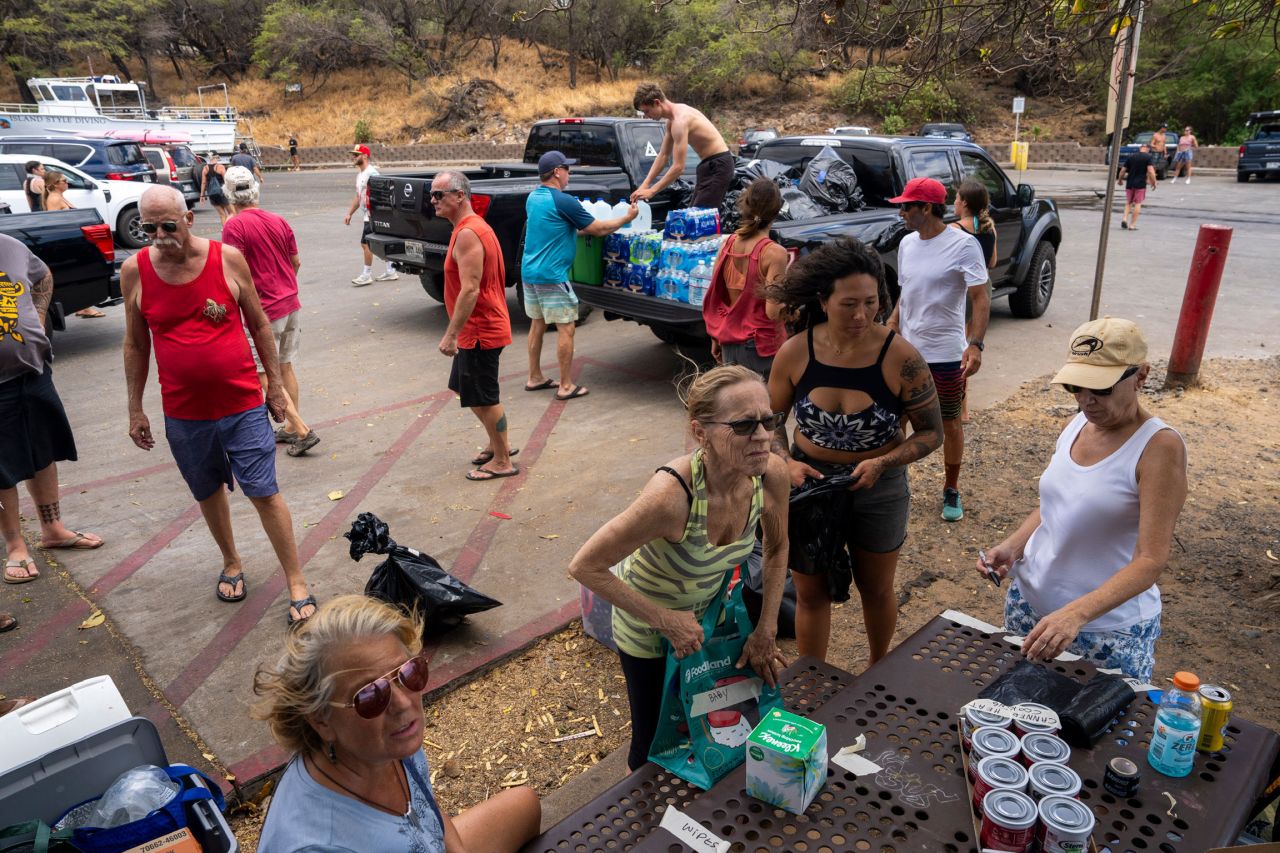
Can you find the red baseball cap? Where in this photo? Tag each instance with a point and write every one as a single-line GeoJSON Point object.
{"type": "Point", "coordinates": [362, 149]}
{"type": "Point", "coordinates": [922, 189]}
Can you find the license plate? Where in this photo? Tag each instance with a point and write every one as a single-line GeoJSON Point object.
{"type": "Point", "coordinates": [1273, 165]}
{"type": "Point", "coordinates": [414, 249]}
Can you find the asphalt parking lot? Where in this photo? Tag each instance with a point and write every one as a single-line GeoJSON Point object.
{"type": "Point", "coordinates": [395, 442]}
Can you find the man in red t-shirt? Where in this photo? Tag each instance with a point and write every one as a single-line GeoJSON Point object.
{"type": "Point", "coordinates": [475, 296]}
{"type": "Point", "coordinates": [269, 246]}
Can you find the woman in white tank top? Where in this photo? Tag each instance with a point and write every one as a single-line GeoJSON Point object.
{"type": "Point", "coordinates": [1085, 564]}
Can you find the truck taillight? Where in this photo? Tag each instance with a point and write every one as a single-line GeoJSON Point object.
{"type": "Point", "coordinates": [570, 121]}
{"type": "Point", "coordinates": [1241, 154]}
{"type": "Point", "coordinates": [100, 236]}
{"type": "Point", "coordinates": [480, 204]}
{"type": "Point", "coordinates": [116, 176]}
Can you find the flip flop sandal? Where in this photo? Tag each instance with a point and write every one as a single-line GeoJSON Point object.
{"type": "Point", "coordinates": [28, 565]}
{"type": "Point", "coordinates": [484, 457]}
{"type": "Point", "coordinates": [486, 474]}
{"type": "Point", "coordinates": [542, 386]}
{"type": "Point", "coordinates": [232, 580]}
{"type": "Point", "coordinates": [7, 625]}
{"type": "Point", "coordinates": [74, 543]}
{"type": "Point", "coordinates": [577, 392]}
{"type": "Point", "coordinates": [310, 600]}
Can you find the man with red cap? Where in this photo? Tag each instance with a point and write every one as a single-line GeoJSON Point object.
{"type": "Point", "coordinates": [937, 267]}
{"type": "Point", "coordinates": [360, 158]}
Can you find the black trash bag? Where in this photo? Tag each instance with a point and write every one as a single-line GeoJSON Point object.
{"type": "Point", "coordinates": [681, 194]}
{"type": "Point", "coordinates": [818, 515]}
{"type": "Point", "coordinates": [797, 205]}
{"type": "Point", "coordinates": [730, 216]}
{"type": "Point", "coordinates": [1032, 682]}
{"type": "Point", "coordinates": [753, 594]}
{"type": "Point", "coordinates": [413, 580]}
{"type": "Point", "coordinates": [831, 182]}
{"type": "Point", "coordinates": [1095, 706]}
{"type": "Point", "coordinates": [748, 170]}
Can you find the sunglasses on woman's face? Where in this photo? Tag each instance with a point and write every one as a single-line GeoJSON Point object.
{"type": "Point", "coordinates": [748, 426]}
{"type": "Point", "coordinates": [152, 227]}
{"type": "Point", "coordinates": [372, 699]}
{"type": "Point", "coordinates": [1100, 392]}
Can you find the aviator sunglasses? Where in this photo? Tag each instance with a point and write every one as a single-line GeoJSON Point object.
{"type": "Point", "coordinates": [169, 227]}
{"type": "Point", "coordinates": [372, 699]}
{"type": "Point", "coordinates": [1100, 392]}
{"type": "Point", "coordinates": [747, 426]}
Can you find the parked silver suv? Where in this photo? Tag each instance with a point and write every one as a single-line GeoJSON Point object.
{"type": "Point", "coordinates": [175, 165]}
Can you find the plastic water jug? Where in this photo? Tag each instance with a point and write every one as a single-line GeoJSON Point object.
{"type": "Point", "coordinates": [644, 218]}
{"type": "Point", "coordinates": [618, 211]}
{"type": "Point", "coordinates": [1177, 727]}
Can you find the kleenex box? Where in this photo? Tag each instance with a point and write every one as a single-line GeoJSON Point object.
{"type": "Point", "coordinates": [786, 761]}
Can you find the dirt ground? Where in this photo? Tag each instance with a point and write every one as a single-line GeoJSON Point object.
{"type": "Point", "coordinates": [1221, 590]}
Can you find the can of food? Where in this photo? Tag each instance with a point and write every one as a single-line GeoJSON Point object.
{"type": "Point", "coordinates": [1121, 778]}
{"type": "Point", "coordinates": [1022, 727]}
{"type": "Point", "coordinates": [997, 772]}
{"type": "Point", "coordinates": [972, 719]}
{"type": "Point", "coordinates": [991, 742]}
{"type": "Point", "coordinates": [1047, 779]}
{"type": "Point", "coordinates": [1065, 825]}
{"type": "Point", "coordinates": [1008, 821]}
{"type": "Point", "coordinates": [1216, 704]}
{"type": "Point", "coordinates": [1038, 746]}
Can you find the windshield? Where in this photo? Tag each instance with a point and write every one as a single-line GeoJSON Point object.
{"type": "Point", "coordinates": [1268, 131]}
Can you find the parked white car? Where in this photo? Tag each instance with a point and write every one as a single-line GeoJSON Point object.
{"type": "Point", "coordinates": [115, 201]}
{"type": "Point", "coordinates": [849, 130]}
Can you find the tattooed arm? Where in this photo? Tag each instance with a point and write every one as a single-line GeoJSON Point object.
{"type": "Point", "coordinates": [920, 404]}
{"type": "Point", "coordinates": [42, 295]}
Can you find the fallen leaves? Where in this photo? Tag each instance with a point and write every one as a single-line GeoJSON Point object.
{"type": "Point", "coordinates": [95, 619]}
{"type": "Point", "coordinates": [336, 495]}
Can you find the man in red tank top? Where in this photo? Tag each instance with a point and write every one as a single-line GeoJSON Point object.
{"type": "Point", "coordinates": [192, 298]}
{"type": "Point", "coordinates": [475, 295]}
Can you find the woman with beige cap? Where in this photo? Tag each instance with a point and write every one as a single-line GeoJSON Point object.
{"type": "Point", "coordinates": [1085, 564]}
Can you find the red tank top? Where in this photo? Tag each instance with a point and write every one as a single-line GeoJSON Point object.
{"type": "Point", "coordinates": [745, 319]}
{"type": "Point", "coordinates": [489, 325]}
{"type": "Point", "coordinates": [202, 355]}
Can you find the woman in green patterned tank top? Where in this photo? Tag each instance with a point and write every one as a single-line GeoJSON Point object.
{"type": "Point", "coordinates": [662, 560]}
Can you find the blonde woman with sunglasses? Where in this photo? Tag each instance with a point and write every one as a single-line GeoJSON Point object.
{"type": "Point", "coordinates": [345, 699]}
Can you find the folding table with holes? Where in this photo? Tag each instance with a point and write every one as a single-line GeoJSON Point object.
{"type": "Point", "coordinates": [907, 706]}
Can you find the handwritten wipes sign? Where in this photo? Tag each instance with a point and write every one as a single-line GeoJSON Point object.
{"type": "Point", "coordinates": [692, 833]}
{"type": "Point", "coordinates": [1022, 713]}
{"type": "Point", "coordinates": [725, 697]}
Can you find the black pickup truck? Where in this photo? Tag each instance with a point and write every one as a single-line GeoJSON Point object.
{"type": "Point", "coordinates": [1028, 229]}
{"type": "Point", "coordinates": [78, 249]}
{"type": "Point", "coordinates": [614, 156]}
{"type": "Point", "coordinates": [1260, 155]}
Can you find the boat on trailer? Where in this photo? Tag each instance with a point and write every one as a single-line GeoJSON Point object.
{"type": "Point", "coordinates": [103, 105]}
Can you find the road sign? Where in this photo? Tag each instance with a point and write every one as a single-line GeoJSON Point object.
{"type": "Point", "coordinates": [1019, 106]}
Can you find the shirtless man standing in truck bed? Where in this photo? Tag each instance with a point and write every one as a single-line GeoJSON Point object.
{"type": "Point", "coordinates": [685, 126]}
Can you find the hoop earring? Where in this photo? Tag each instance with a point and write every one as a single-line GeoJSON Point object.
{"type": "Point", "coordinates": [332, 754]}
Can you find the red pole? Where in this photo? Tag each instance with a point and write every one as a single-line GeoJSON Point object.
{"type": "Point", "coordinates": [1197, 304]}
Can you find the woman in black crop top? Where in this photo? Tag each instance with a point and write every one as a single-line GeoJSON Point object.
{"type": "Point", "coordinates": [849, 382]}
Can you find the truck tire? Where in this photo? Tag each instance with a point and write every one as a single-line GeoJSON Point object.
{"type": "Point", "coordinates": [1031, 299]}
{"type": "Point", "coordinates": [433, 284]}
{"type": "Point", "coordinates": [1242, 177]}
{"type": "Point", "coordinates": [129, 231]}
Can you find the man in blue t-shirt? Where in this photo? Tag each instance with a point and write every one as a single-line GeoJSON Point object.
{"type": "Point", "coordinates": [555, 219]}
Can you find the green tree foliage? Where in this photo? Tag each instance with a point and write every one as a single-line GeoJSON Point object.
{"type": "Point", "coordinates": [886, 91]}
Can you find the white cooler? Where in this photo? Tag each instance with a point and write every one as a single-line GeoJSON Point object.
{"type": "Point", "coordinates": [59, 719]}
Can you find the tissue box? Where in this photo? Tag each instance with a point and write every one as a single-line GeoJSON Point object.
{"type": "Point", "coordinates": [786, 761]}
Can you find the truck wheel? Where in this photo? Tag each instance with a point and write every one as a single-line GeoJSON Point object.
{"type": "Point", "coordinates": [129, 231]}
{"type": "Point", "coordinates": [1242, 177]}
{"type": "Point", "coordinates": [1031, 299]}
{"type": "Point", "coordinates": [433, 284]}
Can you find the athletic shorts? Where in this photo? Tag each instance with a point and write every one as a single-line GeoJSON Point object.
{"type": "Point", "coordinates": [211, 453]}
{"type": "Point", "coordinates": [825, 530]}
{"type": "Point", "coordinates": [713, 177]}
{"type": "Point", "coordinates": [474, 377]}
{"type": "Point", "coordinates": [365, 231]}
{"type": "Point", "coordinates": [1137, 196]}
{"type": "Point", "coordinates": [554, 303]}
{"type": "Point", "coordinates": [287, 331]}
{"type": "Point", "coordinates": [949, 379]}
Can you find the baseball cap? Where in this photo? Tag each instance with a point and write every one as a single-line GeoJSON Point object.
{"type": "Point", "coordinates": [922, 189]}
{"type": "Point", "coordinates": [552, 160]}
{"type": "Point", "coordinates": [1101, 351]}
{"type": "Point", "coordinates": [362, 149]}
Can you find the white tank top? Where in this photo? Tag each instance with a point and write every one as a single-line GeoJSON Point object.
{"type": "Point", "coordinates": [1088, 530]}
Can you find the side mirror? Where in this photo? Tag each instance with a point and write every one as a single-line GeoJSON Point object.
{"type": "Point", "coordinates": [1026, 195]}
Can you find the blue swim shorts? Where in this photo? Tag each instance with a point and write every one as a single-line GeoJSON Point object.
{"type": "Point", "coordinates": [210, 453]}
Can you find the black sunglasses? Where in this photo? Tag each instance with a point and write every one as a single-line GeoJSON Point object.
{"type": "Point", "coordinates": [747, 426]}
{"type": "Point", "coordinates": [372, 699]}
{"type": "Point", "coordinates": [436, 195]}
{"type": "Point", "coordinates": [908, 205]}
{"type": "Point", "coordinates": [152, 227]}
{"type": "Point", "coordinates": [1101, 392]}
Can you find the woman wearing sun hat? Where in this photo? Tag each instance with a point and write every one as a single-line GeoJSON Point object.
{"type": "Point", "coordinates": [1085, 564]}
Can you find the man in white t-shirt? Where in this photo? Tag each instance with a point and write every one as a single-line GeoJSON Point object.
{"type": "Point", "coordinates": [360, 157]}
{"type": "Point", "coordinates": [937, 267]}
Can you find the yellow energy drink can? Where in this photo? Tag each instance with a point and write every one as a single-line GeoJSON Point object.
{"type": "Point", "coordinates": [1216, 704]}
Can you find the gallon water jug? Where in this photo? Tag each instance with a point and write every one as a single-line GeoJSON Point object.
{"type": "Point", "coordinates": [1177, 727]}
{"type": "Point", "coordinates": [644, 219]}
{"type": "Point", "coordinates": [620, 210]}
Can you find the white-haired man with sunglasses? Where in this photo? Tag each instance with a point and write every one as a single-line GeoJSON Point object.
{"type": "Point", "coordinates": [192, 299]}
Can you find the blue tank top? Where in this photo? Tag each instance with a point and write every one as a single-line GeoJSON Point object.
{"type": "Point", "coordinates": [869, 429]}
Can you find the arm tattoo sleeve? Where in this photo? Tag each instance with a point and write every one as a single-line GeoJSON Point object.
{"type": "Point", "coordinates": [42, 295]}
{"type": "Point", "coordinates": [921, 408]}
{"type": "Point", "coordinates": [780, 445]}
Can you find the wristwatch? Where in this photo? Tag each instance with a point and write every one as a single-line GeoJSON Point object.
{"type": "Point", "coordinates": [977, 344]}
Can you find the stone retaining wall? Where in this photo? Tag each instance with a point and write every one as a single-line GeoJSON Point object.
{"type": "Point", "coordinates": [1072, 153]}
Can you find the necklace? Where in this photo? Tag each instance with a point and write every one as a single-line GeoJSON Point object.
{"type": "Point", "coordinates": [404, 789]}
{"type": "Point", "coordinates": [831, 342]}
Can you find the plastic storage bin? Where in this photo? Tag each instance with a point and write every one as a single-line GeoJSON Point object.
{"type": "Point", "coordinates": [59, 719]}
{"type": "Point", "coordinates": [45, 788]}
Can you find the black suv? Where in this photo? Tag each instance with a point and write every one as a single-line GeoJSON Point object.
{"type": "Point", "coordinates": [108, 159]}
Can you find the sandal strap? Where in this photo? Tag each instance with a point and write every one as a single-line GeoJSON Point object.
{"type": "Point", "coordinates": [230, 579]}
{"type": "Point", "coordinates": [303, 602]}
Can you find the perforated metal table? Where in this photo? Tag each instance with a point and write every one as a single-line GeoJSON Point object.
{"type": "Point", "coordinates": [907, 706]}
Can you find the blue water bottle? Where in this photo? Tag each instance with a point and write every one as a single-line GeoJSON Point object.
{"type": "Point", "coordinates": [1177, 727]}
